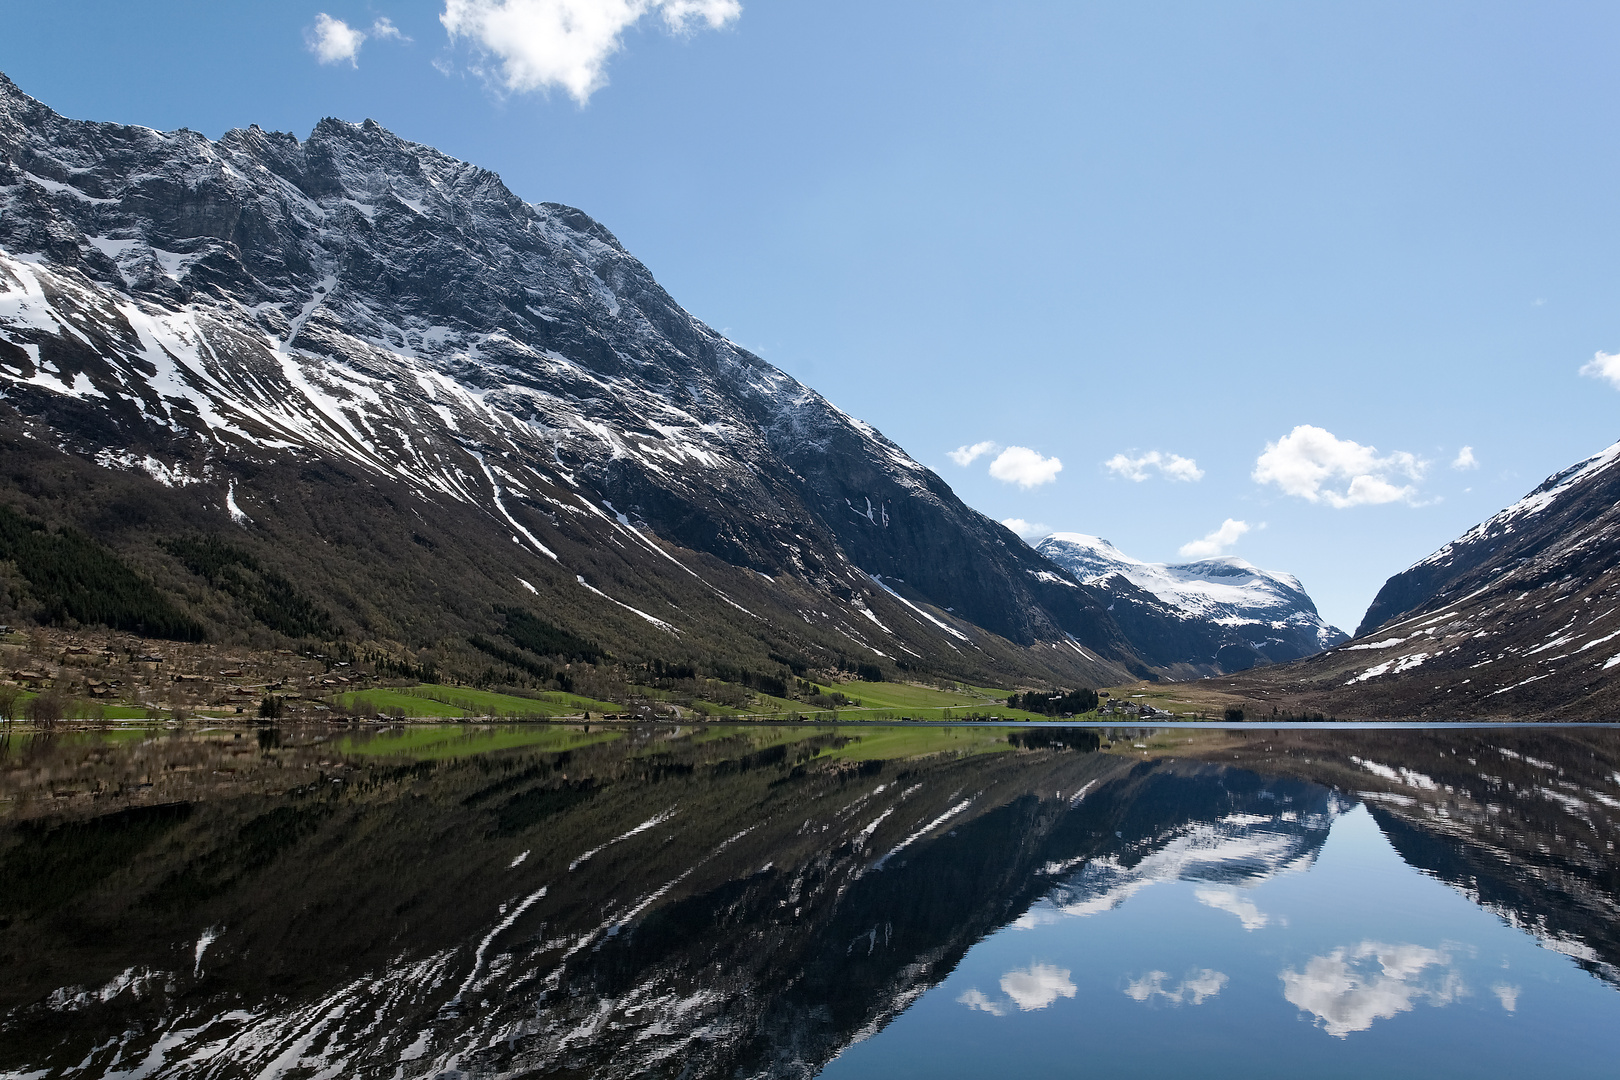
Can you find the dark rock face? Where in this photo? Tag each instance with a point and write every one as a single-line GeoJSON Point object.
{"type": "Point", "coordinates": [1516, 618]}
{"type": "Point", "coordinates": [210, 312]}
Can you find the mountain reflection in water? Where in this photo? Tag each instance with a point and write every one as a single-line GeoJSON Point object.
{"type": "Point", "coordinates": [764, 901]}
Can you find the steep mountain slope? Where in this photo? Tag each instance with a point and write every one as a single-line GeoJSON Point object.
{"type": "Point", "coordinates": [1519, 617]}
{"type": "Point", "coordinates": [351, 345]}
{"type": "Point", "coordinates": [1227, 614]}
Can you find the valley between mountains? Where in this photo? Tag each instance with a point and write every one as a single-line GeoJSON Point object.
{"type": "Point", "coordinates": [352, 403]}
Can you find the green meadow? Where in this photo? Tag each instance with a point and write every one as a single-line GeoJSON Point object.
{"type": "Point", "coordinates": [458, 702]}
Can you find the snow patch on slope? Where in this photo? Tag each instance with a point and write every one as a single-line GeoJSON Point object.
{"type": "Point", "coordinates": [1551, 489]}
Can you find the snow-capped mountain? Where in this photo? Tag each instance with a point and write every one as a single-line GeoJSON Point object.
{"type": "Point", "coordinates": [1516, 618]}
{"type": "Point", "coordinates": [1238, 613]}
{"type": "Point", "coordinates": [351, 340]}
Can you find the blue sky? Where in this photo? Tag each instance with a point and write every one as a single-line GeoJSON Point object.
{"type": "Point", "coordinates": [1303, 253]}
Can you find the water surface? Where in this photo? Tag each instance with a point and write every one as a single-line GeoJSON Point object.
{"type": "Point", "coordinates": [745, 901]}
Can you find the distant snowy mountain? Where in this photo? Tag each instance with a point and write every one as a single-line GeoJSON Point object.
{"type": "Point", "coordinates": [1248, 615]}
{"type": "Point", "coordinates": [1517, 618]}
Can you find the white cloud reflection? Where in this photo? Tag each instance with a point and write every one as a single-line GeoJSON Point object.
{"type": "Point", "coordinates": [1037, 986]}
{"type": "Point", "coordinates": [1148, 985]}
{"type": "Point", "coordinates": [1031, 988]}
{"type": "Point", "coordinates": [975, 999]}
{"type": "Point", "coordinates": [1198, 985]}
{"type": "Point", "coordinates": [1351, 987]}
{"type": "Point", "coordinates": [1250, 916]}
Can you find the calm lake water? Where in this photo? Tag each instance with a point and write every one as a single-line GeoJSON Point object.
{"type": "Point", "coordinates": [851, 902]}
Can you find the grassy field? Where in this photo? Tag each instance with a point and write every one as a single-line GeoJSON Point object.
{"type": "Point", "coordinates": [457, 702]}
{"type": "Point", "coordinates": [887, 695]}
{"type": "Point", "coordinates": [86, 709]}
{"type": "Point", "coordinates": [438, 742]}
{"type": "Point", "coordinates": [885, 701]}
{"type": "Point", "coordinates": [389, 700]}
{"type": "Point", "coordinates": [896, 701]}
{"type": "Point", "coordinates": [1188, 701]}
{"type": "Point", "coordinates": [126, 712]}
{"type": "Point", "coordinates": [707, 708]}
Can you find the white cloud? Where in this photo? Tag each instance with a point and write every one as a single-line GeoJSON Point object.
{"type": "Point", "coordinates": [1029, 530]}
{"type": "Point", "coordinates": [1347, 993]}
{"type": "Point", "coordinates": [385, 30]}
{"type": "Point", "coordinates": [334, 41]}
{"type": "Point", "coordinates": [1177, 467]}
{"type": "Point", "coordinates": [1465, 459]}
{"type": "Point", "coordinates": [1215, 543]}
{"type": "Point", "coordinates": [1250, 916]}
{"type": "Point", "coordinates": [966, 455]}
{"type": "Point", "coordinates": [1604, 366]}
{"type": "Point", "coordinates": [1307, 460]}
{"type": "Point", "coordinates": [566, 43]}
{"type": "Point", "coordinates": [1170, 466]}
{"type": "Point", "coordinates": [1198, 985]}
{"type": "Point", "coordinates": [1037, 986]}
{"type": "Point", "coordinates": [1022, 466]}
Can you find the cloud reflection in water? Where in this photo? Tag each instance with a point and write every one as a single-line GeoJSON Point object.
{"type": "Point", "coordinates": [1031, 988]}
{"type": "Point", "coordinates": [1198, 985]}
{"type": "Point", "coordinates": [1229, 900]}
{"type": "Point", "coordinates": [1038, 986]}
{"type": "Point", "coordinates": [1351, 987]}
